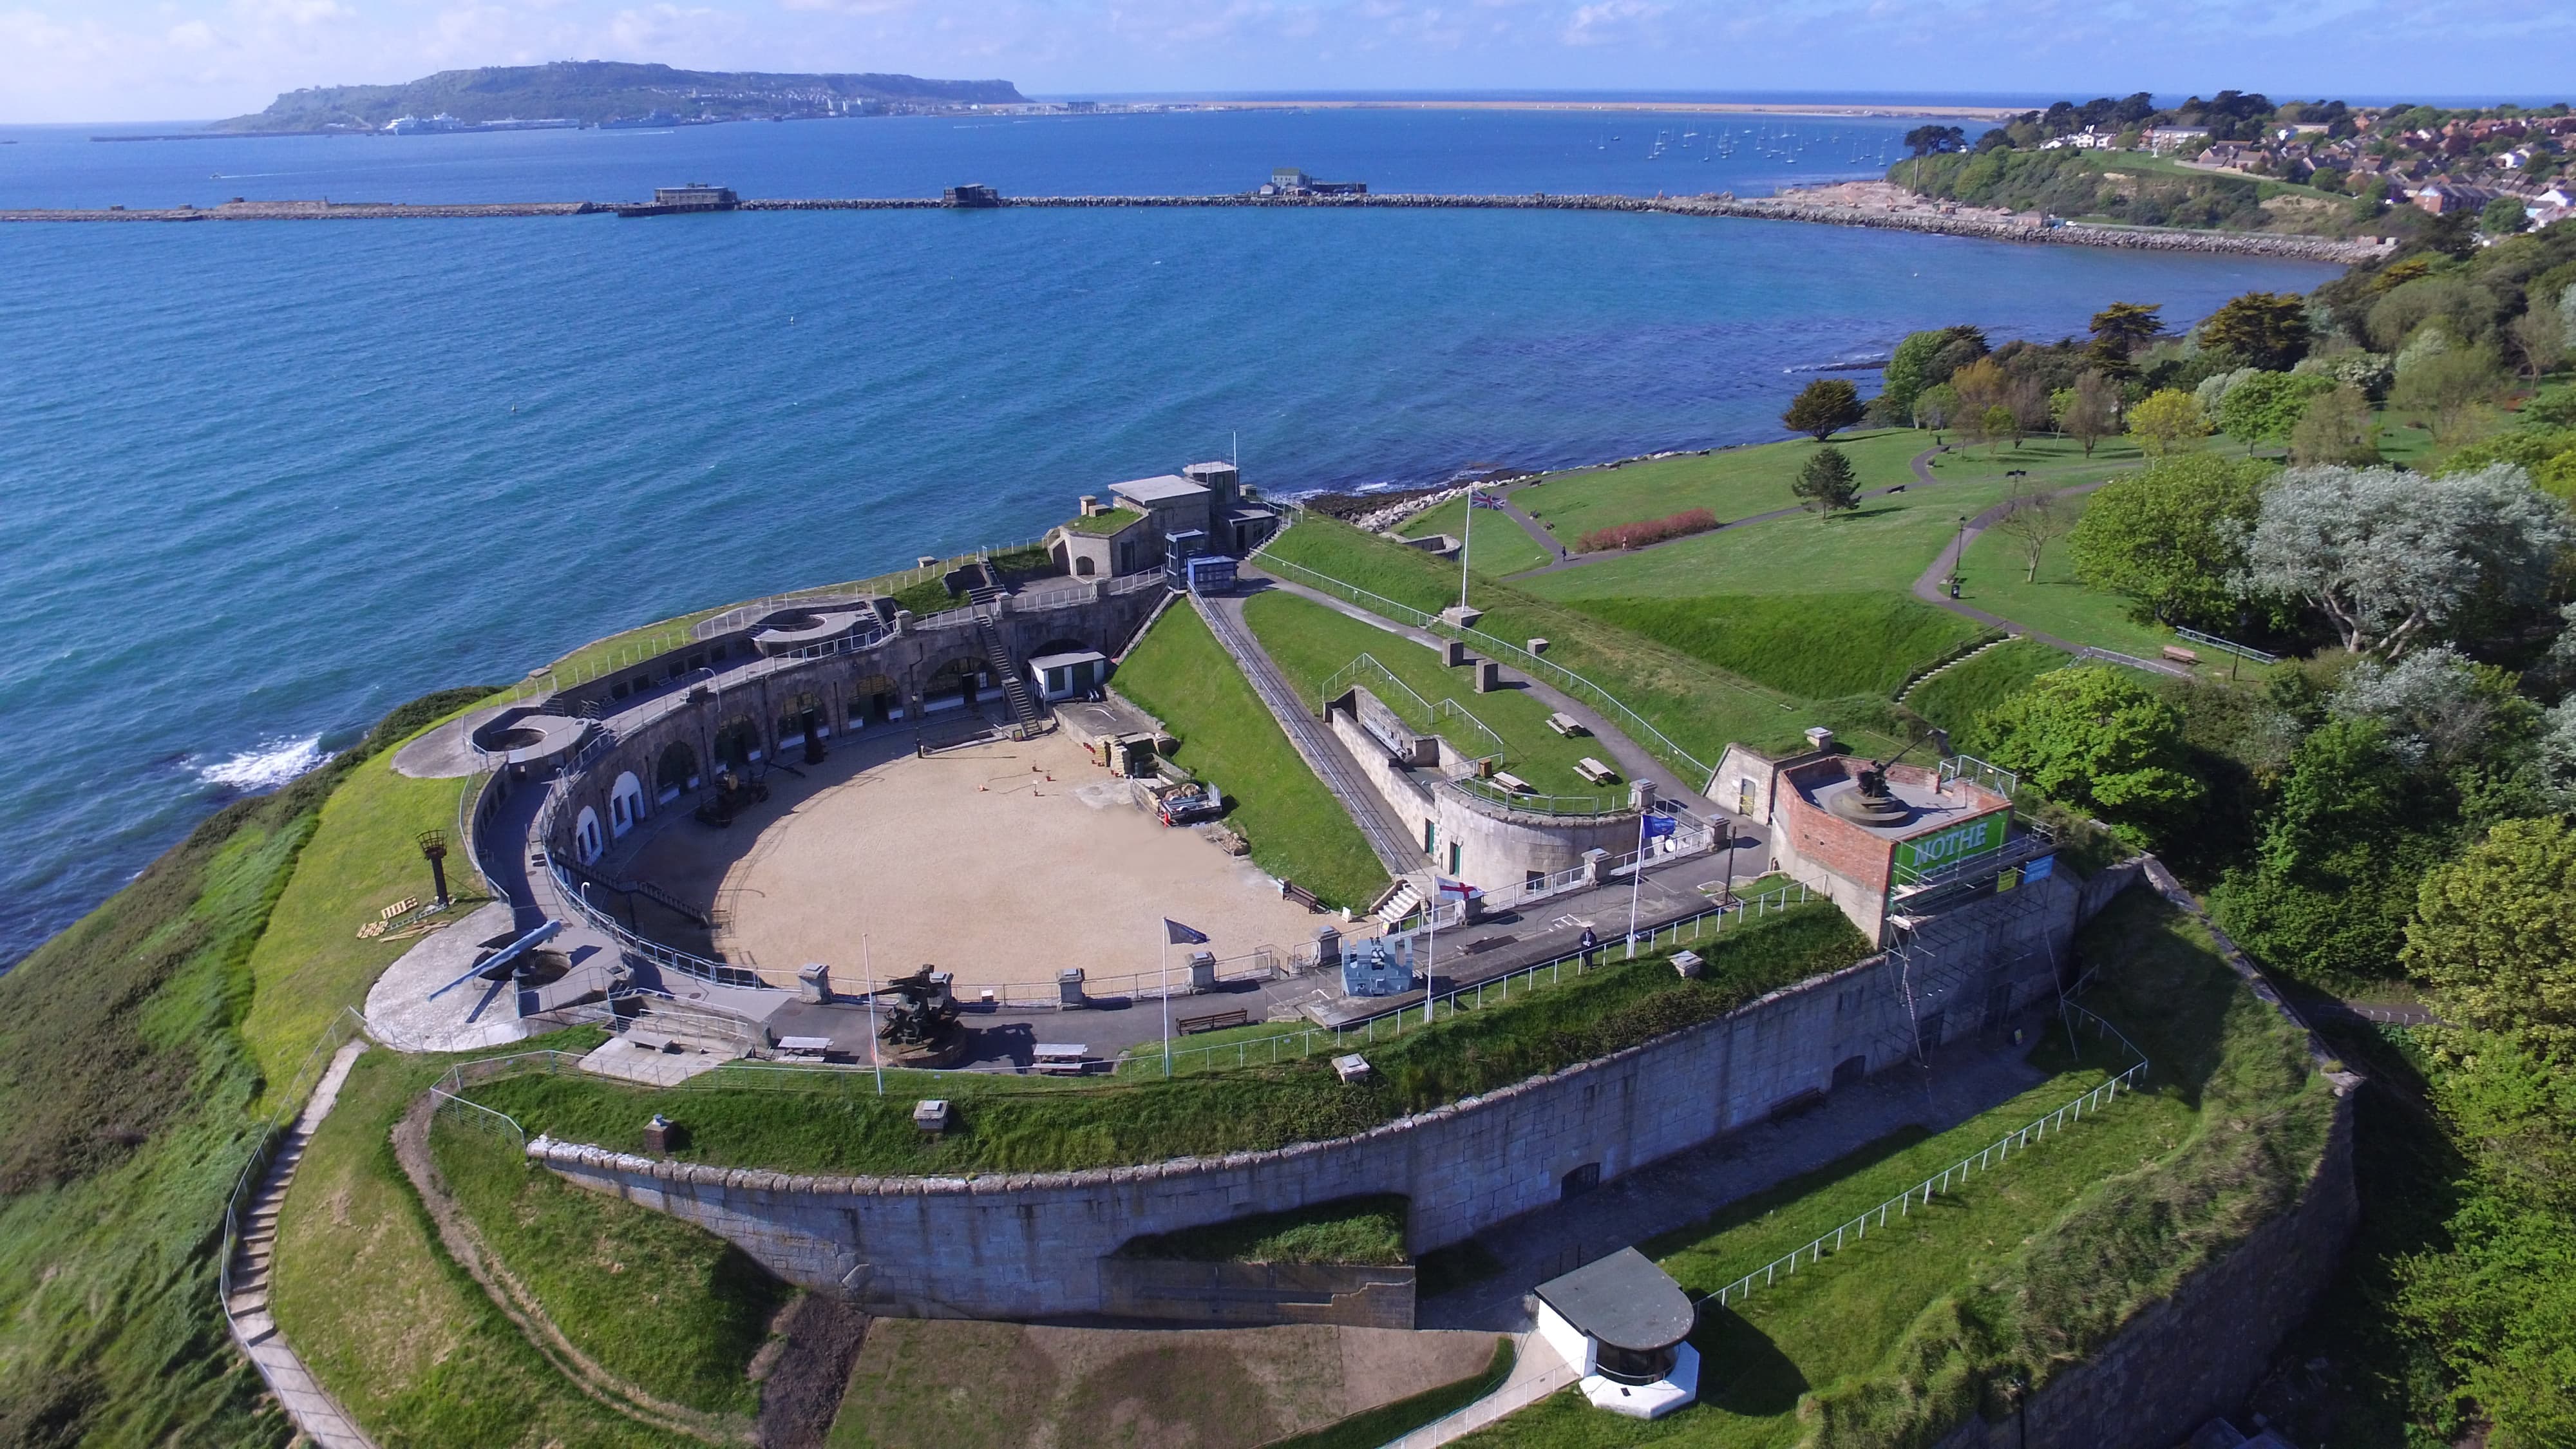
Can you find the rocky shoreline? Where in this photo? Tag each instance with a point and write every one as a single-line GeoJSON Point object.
{"type": "Point", "coordinates": [1987, 227]}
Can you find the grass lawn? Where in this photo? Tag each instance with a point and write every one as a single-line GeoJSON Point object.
{"type": "Point", "coordinates": [1817, 645]}
{"type": "Point", "coordinates": [387, 1321]}
{"type": "Point", "coordinates": [1732, 483]}
{"type": "Point", "coordinates": [847, 1128]}
{"type": "Point", "coordinates": [661, 1303]}
{"type": "Point", "coordinates": [1501, 546]}
{"type": "Point", "coordinates": [1955, 697]}
{"type": "Point", "coordinates": [310, 962]}
{"type": "Point", "coordinates": [1298, 831]}
{"type": "Point", "coordinates": [2028, 1267]}
{"type": "Point", "coordinates": [1310, 643]}
{"type": "Point", "coordinates": [2056, 604]}
{"type": "Point", "coordinates": [1699, 706]}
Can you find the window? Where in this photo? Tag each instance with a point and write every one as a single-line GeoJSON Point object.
{"type": "Point", "coordinates": [1453, 857]}
{"type": "Point", "coordinates": [1578, 1182]}
{"type": "Point", "coordinates": [1430, 838]}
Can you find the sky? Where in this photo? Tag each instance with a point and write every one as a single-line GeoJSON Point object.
{"type": "Point", "coordinates": [146, 60]}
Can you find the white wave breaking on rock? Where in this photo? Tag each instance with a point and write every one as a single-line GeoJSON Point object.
{"type": "Point", "coordinates": [266, 767]}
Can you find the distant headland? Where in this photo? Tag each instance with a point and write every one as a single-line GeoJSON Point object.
{"type": "Point", "coordinates": [597, 92]}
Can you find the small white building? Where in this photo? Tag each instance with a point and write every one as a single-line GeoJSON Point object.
{"type": "Point", "coordinates": [1621, 1322]}
{"type": "Point", "coordinates": [1069, 676]}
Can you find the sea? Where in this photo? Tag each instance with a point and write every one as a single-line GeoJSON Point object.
{"type": "Point", "coordinates": [262, 481]}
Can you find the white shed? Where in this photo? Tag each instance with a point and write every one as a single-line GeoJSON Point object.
{"type": "Point", "coordinates": [1622, 1322]}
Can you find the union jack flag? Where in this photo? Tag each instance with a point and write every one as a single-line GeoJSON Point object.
{"type": "Point", "coordinates": [1478, 498]}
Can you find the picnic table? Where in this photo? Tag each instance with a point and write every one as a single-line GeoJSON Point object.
{"type": "Point", "coordinates": [1057, 1058]}
{"type": "Point", "coordinates": [1566, 724]}
{"type": "Point", "coordinates": [1595, 771]}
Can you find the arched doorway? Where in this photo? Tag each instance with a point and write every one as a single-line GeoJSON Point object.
{"type": "Point", "coordinates": [952, 685]}
{"type": "Point", "coordinates": [1082, 567]}
{"type": "Point", "coordinates": [738, 743]}
{"type": "Point", "coordinates": [676, 771]}
{"type": "Point", "coordinates": [585, 836]}
{"type": "Point", "coordinates": [802, 716]}
{"type": "Point", "coordinates": [873, 699]}
{"type": "Point", "coordinates": [625, 804]}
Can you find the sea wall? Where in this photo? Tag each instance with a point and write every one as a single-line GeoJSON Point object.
{"type": "Point", "coordinates": [1031, 1245]}
{"type": "Point", "coordinates": [2198, 1353]}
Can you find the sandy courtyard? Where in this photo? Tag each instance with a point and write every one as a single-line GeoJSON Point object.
{"type": "Point", "coordinates": [979, 863]}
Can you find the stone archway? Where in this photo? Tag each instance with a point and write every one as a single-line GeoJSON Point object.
{"type": "Point", "coordinates": [873, 699]}
{"type": "Point", "coordinates": [800, 716]}
{"type": "Point", "coordinates": [738, 743]}
{"type": "Point", "coordinates": [586, 841]}
{"type": "Point", "coordinates": [625, 804]}
{"type": "Point", "coordinates": [951, 684]}
{"type": "Point", "coordinates": [677, 770]}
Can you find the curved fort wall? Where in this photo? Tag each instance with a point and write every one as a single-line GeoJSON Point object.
{"type": "Point", "coordinates": [1032, 1245]}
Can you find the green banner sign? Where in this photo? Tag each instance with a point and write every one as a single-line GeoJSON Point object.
{"type": "Point", "coordinates": [1927, 853]}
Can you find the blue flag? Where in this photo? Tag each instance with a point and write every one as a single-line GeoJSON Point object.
{"type": "Point", "coordinates": [1180, 935]}
{"type": "Point", "coordinates": [1659, 826]}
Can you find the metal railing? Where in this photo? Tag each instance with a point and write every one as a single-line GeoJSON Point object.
{"type": "Point", "coordinates": [2241, 651]}
{"type": "Point", "coordinates": [1556, 674]}
{"type": "Point", "coordinates": [1367, 667]}
{"type": "Point", "coordinates": [1980, 774]}
{"type": "Point", "coordinates": [344, 1028]}
{"type": "Point", "coordinates": [1986, 1159]}
{"type": "Point", "coordinates": [1539, 804]}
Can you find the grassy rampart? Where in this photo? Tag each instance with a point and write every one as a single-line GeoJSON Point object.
{"type": "Point", "coordinates": [1296, 829]}
{"type": "Point", "coordinates": [1353, 1230]}
{"type": "Point", "coordinates": [2028, 1268]}
{"type": "Point", "coordinates": [848, 1129]}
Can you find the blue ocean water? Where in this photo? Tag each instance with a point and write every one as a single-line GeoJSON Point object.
{"type": "Point", "coordinates": [260, 482]}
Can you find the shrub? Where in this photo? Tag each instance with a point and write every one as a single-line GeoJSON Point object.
{"type": "Point", "coordinates": [1646, 531]}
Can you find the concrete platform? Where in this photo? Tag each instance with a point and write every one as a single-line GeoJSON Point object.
{"type": "Point", "coordinates": [627, 1062]}
{"type": "Point", "coordinates": [477, 1014]}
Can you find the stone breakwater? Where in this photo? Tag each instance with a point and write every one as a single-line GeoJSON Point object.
{"type": "Point", "coordinates": [2298, 248]}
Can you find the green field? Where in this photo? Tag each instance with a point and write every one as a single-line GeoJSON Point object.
{"type": "Point", "coordinates": [1501, 546]}
{"type": "Point", "coordinates": [1997, 582]}
{"type": "Point", "coordinates": [1958, 696]}
{"type": "Point", "coordinates": [2028, 1267]}
{"type": "Point", "coordinates": [1311, 643]}
{"type": "Point", "coordinates": [1297, 829]}
{"type": "Point", "coordinates": [1819, 645]}
{"type": "Point", "coordinates": [1732, 483]}
{"type": "Point", "coordinates": [844, 1127]}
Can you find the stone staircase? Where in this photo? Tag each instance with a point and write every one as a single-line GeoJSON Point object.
{"type": "Point", "coordinates": [1935, 673]}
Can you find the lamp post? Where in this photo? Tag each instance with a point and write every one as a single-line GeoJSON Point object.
{"type": "Point", "coordinates": [433, 848]}
{"type": "Point", "coordinates": [1959, 557]}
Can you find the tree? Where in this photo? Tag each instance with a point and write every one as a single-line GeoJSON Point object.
{"type": "Point", "coordinates": [2171, 537]}
{"type": "Point", "coordinates": [2268, 329]}
{"type": "Point", "coordinates": [1932, 140]}
{"type": "Point", "coordinates": [2128, 326]}
{"type": "Point", "coordinates": [2504, 216]}
{"type": "Point", "coordinates": [1993, 426]}
{"type": "Point", "coordinates": [1982, 384]}
{"type": "Point", "coordinates": [2449, 384]}
{"type": "Point", "coordinates": [1826, 485]}
{"type": "Point", "coordinates": [2396, 558]}
{"type": "Point", "coordinates": [2265, 407]}
{"type": "Point", "coordinates": [2336, 428]}
{"type": "Point", "coordinates": [2167, 423]}
{"type": "Point", "coordinates": [1824, 407]}
{"type": "Point", "coordinates": [2093, 737]}
{"type": "Point", "coordinates": [1935, 408]}
{"type": "Point", "coordinates": [2092, 411]}
{"type": "Point", "coordinates": [2540, 338]}
{"type": "Point", "coordinates": [2034, 519]}
{"type": "Point", "coordinates": [2489, 938]}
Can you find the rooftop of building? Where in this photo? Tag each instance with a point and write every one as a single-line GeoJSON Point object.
{"type": "Point", "coordinates": [1932, 804]}
{"type": "Point", "coordinates": [1623, 1300]}
{"type": "Point", "coordinates": [1107, 521]}
{"type": "Point", "coordinates": [1162, 488]}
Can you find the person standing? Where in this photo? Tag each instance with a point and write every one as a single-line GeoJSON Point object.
{"type": "Point", "coordinates": [1589, 944]}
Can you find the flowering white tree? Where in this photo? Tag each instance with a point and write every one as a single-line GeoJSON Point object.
{"type": "Point", "coordinates": [2435, 702]}
{"type": "Point", "coordinates": [2393, 558]}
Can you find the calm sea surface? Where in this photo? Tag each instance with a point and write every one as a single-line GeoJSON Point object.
{"type": "Point", "coordinates": [259, 482]}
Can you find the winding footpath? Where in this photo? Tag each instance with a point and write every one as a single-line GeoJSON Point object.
{"type": "Point", "coordinates": [1928, 586]}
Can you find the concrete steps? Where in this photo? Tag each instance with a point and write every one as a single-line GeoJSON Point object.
{"type": "Point", "coordinates": [1929, 674]}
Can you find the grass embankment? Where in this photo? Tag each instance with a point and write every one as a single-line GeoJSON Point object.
{"type": "Point", "coordinates": [1957, 697]}
{"type": "Point", "coordinates": [1113, 1123]}
{"type": "Point", "coordinates": [1997, 580]}
{"type": "Point", "coordinates": [2027, 1268]}
{"type": "Point", "coordinates": [1368, 1230]}
{"type": "Point", "coordinates": [389, 1323]}
{"type": "Point", "coordinates": [1732, 483]}
{"type": "Point", "coordinates": [661, 1303]}
{"type": "Point", "coordinates": [1700, 707]}
{"type": "Point", "coordinates": [1388, 1423]}
{"type": "Point", "coordinates": [1499, 546]}
{"type": "Point", "coordinates": [1296, 829]}
{"type": "Point", "coordinates": [1311, 643]}
{"type": "Point", "coordinates": [1818, 645]}
{"type": "Point", "coordinates": [128, 1105]}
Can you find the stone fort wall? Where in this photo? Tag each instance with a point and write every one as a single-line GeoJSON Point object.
{"type": "Point", "coordinates": [1017, 1246]}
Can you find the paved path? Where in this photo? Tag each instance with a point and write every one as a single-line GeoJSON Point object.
{"type": "Point", "coordinates": [1921, 463]}
{"type": "Point", "coordinates": [313, 1410]}
{"type": "Point", "coordinates": [1964, 1079]}
{"type": "Point", "coordinates": [1537, 1371]}
{"type": "Point", "coordinates": [1931, 587]}
{"type": "Point", "coordinates": [1322, 752]}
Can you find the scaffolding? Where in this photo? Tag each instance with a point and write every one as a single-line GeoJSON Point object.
{"type": "Point", "coordinates": [1933, 928]}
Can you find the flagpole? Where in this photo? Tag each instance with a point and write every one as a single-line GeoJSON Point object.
{"type": "Point", "coordinates": [1466, 536]}
{"type": "Point", "coordinates": [1431, 942]}
{"type": "Point", "coordinates": [1636, 883]}
{"type": "Point", "coordinates": [1167, 1000]}
{"type": "Point", "coordinates": [876, 1047]}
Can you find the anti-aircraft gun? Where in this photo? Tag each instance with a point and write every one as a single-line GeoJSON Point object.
{"type": "Point", "coordinates": [1871, 802]}
{"type": "Point", "coordinates": [919, 1027]}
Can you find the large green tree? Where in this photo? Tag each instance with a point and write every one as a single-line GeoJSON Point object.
{"type": "Point", "coordinates": [2128, 326]}
{"type": "Point", "coordinates": [2491, 938]}
{"type": "Point", "coordinates": [1826, 485]}
{"type": "Point", "coordinates": [1925, 360]}
{"type": "Point", "coordinates": [2094, 737]}
{"type": "Point", "coordinates": [2268, 329]}
{"type": "Point", "coordinates": [2265, 407]}
{"type": "Point", "coordinates": [1823, 408]}
{"type": "Point", "coordinates": [2171, 537]}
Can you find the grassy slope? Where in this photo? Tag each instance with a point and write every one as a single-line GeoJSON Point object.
{"type": "Point", "coordinates": [2027, 1269]}
{"type": "Point", "coordinates": [388, 1322]}
{"type": "Point", "coordinates": [310, 962]}
{"type": "Point", "coordinates": [2056, 603]}
{"type": "Point", "coordinates": [1819, 645]}
{"type": "Point", "coordinates": [1389, 1422]}
{"type": "Point", "coordinates": [1957, 696]}
{"type": "Point", "coordinates": [662, 1303]}
{"type": "Point", "coordinates": [1731, 482]}
{"type": "Point", "coordinates": [1500, 546]}
{"type": "Point", "coordinates": [849, 1129]}
{"type": "Point", "coordinates": [1702, 708]}
{"type": "Point", "coordinates": [1352, 1230]}
{"type": "Point", "coordinates": [1296, 828]}
{"type": "Point", "coordinates": [1310, 643]}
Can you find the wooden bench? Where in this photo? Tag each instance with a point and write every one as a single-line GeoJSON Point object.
{"type": "Point", "coordinates": [1213, 1021]}
{"type": "Point", "coordinates": [1566, 725]}
{"type": "Point", "coordinates": [2180, 655]}
{"type": "Point", "coordinates": [802, 1048]}
{"type": "Point", "coordinates": [1060, 1059]}
{"type": "Point", "coordinates": [1595, 771]}
{"type": "Point", "coordinates": [1512, 782]}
